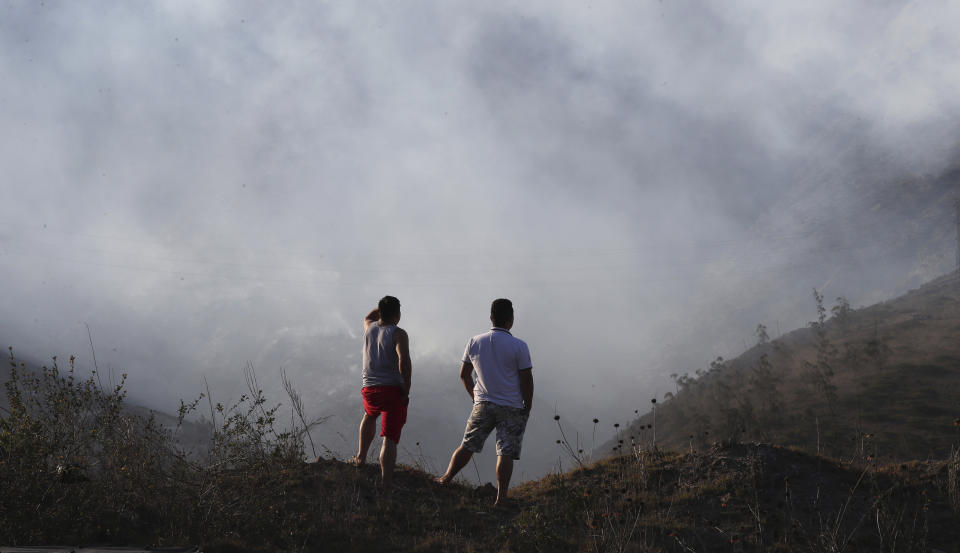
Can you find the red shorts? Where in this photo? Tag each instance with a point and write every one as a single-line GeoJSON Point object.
{"type": "Point", "coordinates": [392, 403]}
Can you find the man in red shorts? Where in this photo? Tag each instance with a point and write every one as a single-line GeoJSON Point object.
{"type": "Point", "coordinates": [386, 384]}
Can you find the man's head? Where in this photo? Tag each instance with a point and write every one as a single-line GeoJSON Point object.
{"type": "Point", "coordinates": [389, 307]}
{"type": "Point", "coordinates": [501, 313]}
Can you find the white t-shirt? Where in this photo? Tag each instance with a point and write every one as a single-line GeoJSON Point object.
{"type": "Point", "coordinates": [497, 357]}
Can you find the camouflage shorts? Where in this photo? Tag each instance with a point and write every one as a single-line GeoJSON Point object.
{"type": "Point", "coordinates": [510, 423]}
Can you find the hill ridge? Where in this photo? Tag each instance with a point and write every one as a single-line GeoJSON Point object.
{"type": "Point", "coordinates": [836, 386]}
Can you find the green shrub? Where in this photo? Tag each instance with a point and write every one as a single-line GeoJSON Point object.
{"type": "Point", "coordinates": [77, 466]}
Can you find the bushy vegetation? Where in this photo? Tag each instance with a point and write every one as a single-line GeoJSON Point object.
{"type": "Point", "coordinates": [76, 466]}
{"type": "Point", "coordinates": [70, 457]}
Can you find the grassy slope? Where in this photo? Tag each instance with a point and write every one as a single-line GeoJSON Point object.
{"type": "Point", "coordinates": [896, 369]}
{"type": "Point", "coordinates": [726, 498]}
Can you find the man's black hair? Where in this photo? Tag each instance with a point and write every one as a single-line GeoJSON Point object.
{"type": "Point", "coordinates": [501, 312]}
{"type": "Point", "coordinates": [389, 307]}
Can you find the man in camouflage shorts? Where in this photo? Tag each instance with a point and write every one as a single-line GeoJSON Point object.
{"type": "Point", "coordinates": [502, 396]}
{"type": "Point", "coordinates": [510, 423]}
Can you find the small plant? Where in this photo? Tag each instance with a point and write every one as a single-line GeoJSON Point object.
{"type": "Point", "coordinates": [821, 371]}
{"type": "Point", "coordinates": [953, 479]}
{"type": "Point", "coordinates": [573, 451]}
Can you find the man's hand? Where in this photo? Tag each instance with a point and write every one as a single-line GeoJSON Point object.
{"type": "Point", "coordinates": [526, 388]}
{"type": "Point", "coordinates": [402, 342]}
{"type": "Point", "coordinates": [466, 376]}
{"type": "Point", "coordinates": [371, 317]}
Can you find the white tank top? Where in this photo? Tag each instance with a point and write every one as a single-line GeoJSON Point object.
{"type": "Point", "coordinates": [381, 364]}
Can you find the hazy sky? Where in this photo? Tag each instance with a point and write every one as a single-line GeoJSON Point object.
{"type": "Point", "coordinates": [211, 183]}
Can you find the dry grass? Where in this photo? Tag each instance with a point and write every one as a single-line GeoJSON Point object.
{"type": "Point", "coordinates": [254, 493]}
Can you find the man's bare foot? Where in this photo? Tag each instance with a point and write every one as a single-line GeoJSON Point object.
{"type": "Point", "coordinates": [356, 461]}
{"type": "Point", "coordinates": [442, 480]}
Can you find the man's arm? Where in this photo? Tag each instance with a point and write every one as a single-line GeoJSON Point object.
{"type": "Point", "coordinates": [466, 376]}
{"type": "Point", "coordinates": [371, 317]}
{"type": "Point", "coordinates": [526, 388]}
{"type": "Point", "coordinates": [402, 342]}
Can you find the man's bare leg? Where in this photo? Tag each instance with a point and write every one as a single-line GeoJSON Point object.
{"type": "Point", "coordinates": [368, 428]}
{"type": "Point", "coordinates": [388, 459]}
{"type": "Point", "coordinates": [461, 456]}
{"type": "Point", "coordinates": [504, 472]}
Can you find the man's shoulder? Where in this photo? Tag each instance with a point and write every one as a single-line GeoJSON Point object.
{"type": "Point", "coordinates": [481, 336]}
{"type": "Point", "coordinates": [475, 340]}
{"type": "Point", "coordinates": [509, 340]}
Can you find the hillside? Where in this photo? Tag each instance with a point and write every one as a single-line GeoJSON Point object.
{"type": "Point", "coordinates": [725, 498]}
{"type": "Point", "coordinates": [861, 387]}
{"type": "Point", "coordinates": [879, 381]}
